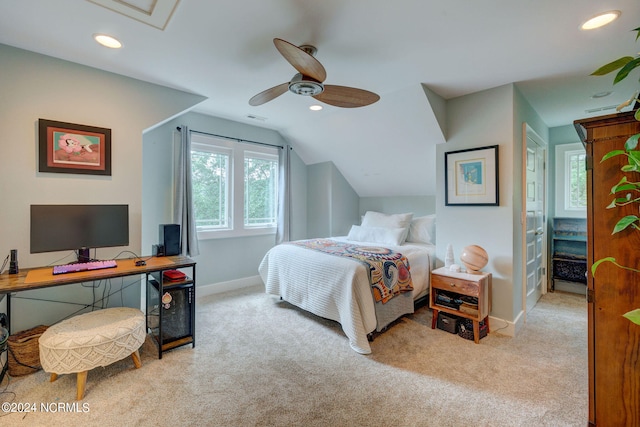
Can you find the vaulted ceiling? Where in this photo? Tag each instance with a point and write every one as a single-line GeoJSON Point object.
{"type": "Point", "coordinates": [402, 50]}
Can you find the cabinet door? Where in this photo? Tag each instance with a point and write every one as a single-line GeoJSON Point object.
{"type": "Point", "coordinates": [614, 347]}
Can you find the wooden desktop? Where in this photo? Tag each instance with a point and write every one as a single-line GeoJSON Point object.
{"type": "Point", "coordinates": [28, 279]}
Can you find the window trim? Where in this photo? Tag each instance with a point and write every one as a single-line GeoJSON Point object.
{"type": "Point", "coordinates": [268, 156]}
{"type": "Point", "coordinates": [562, 181]}
{"type": "Point", "coordinates": [236, 197]}
{"type": "Point", "coordinates": [216, 149]}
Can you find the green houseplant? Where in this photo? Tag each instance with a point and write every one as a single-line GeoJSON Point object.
{"type": "Point", "coordinates": [625, 192]}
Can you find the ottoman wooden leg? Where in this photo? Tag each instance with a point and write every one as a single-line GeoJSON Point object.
{"type": "Point", "coordinates": [53, 377]}
{"type": "Point", "coordinates": [136, 359]}
{"type": "Point", "coordinates": [82, 381]}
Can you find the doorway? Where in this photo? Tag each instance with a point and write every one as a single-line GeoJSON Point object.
{"type": "Point", "coordinates": [534, 207]}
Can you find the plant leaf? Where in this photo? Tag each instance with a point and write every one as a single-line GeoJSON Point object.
{"type": "Point", "coordinates": [622, 181]}
{"type": "Point", "coordinates": [624, 72]}
{"type": "Point", "coordinates": [624, 222]}
{"type": "Point", "coordinates": [629, 168]}
{"type": "Point", "coordinates": [611, 154]}
{"type": "Point", "coordinates": [624, 104]}
{"type": "Point", "coordinates": [633, 315]}
{"type": "Point", "coordinates": [624, 187]}
{"type": "Point", "coordinates": [637, 115]}
{"type": "Point", "coordinates": [612, 66]}
{"type": "Point", "coordinates": [595, 265]}
{"type": "Point", "coordinates": [634, 160]}
{"type": "Point", "coordinates": [632, 142]}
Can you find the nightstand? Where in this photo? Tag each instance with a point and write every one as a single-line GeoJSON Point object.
{"type": "Point", "coordinates": [477, 285]}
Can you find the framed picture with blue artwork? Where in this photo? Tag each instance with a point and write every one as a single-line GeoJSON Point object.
{"type": "Point", "coordinates": [471, 177]}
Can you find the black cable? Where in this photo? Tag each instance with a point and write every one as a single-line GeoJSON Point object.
{"type": "Point", "coordinates": [84, 305]}
{"type": "Point", "coordinates": [4, 264]}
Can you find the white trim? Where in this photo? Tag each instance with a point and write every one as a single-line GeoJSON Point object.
{"type": "Point", "coordinates": [561, 181]}
{"type": "Point", "coordinates": [505, 327]}
{"type": "Point", "coordinates": [235, 209]}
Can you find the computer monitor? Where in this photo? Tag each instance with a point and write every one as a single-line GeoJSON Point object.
{"type": "Point", "coordinates": [78, 227]}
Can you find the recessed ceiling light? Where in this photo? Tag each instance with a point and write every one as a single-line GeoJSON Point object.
{"type": "Point", "coordinates": [601, 94]}
{"type": "Point", "coordinates": [107, 41]}
{"type": "Point", "coordinates": [601, 20]}
{"type": "Point", "coordinates": [315, 107]}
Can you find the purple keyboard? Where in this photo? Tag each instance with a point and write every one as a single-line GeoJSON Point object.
{"type": "Point", "coordinates": [84, 266]}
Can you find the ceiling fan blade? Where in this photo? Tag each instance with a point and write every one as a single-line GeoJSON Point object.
{"type": "Point", "coordinates": [269, 94]}
{"type": "Point", "coordinates": [301, 60]}
{"type": "Point", "coordinates": [346, 97]}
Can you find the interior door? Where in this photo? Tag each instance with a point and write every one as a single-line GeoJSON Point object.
{"type": "Point", "coordinates": [534, 195]}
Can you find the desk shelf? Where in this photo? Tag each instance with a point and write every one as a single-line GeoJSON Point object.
{"type": "Point", "coordinates": [171, 307]}
{"type": "Point", "coordinates": [29, 279]}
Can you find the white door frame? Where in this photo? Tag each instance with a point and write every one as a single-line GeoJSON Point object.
{"type": "Point", "coordinates": [528, 132]}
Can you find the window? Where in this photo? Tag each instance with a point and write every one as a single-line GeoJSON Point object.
{"type": "Point", "coordinates": [210, 170]}
{"type": "Point", "coordinates": [571, 181]}
{"type": "Point", "coordinates": [260, 189]}
{"type": "Point", "coordinates": [235, 187]}
{"type": "Point", "coordinates": [576, 181]}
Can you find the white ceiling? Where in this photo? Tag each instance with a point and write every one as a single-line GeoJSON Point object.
{"type": "Point", "coordinates": [223, 50]}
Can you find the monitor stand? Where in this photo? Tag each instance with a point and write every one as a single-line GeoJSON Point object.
{"type": "Point", "coordinates": [84, 255]}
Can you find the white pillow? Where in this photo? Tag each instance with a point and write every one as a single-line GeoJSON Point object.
{"type": "Point", "coordinates": [423, 230]}
{"type": "Point", "coordinates": [387, 236]}
{"type": "Point", "coordinates": [378, 219]}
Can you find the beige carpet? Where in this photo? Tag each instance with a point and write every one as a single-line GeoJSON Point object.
{"type": "Point", "coordinates": [262, 362]}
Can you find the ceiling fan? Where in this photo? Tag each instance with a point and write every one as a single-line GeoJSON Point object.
{"type": "Point", "coordinates": [309, 81]}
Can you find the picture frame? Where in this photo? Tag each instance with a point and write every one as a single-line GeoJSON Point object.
{"type": "Point", "coordinates": [73, 148]}
{"type": "Point", "coordinates": [471, 177]}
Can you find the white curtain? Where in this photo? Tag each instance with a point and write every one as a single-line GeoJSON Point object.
{"type": "Point", "coordinates": [283, 229]}
{"type": "Point", "coordinates": [183, 204]}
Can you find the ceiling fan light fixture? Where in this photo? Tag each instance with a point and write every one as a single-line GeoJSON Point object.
{"type": "Point", "coordinates": [306, 86]}
{"type": "Point", "coordinates": [107, 41]}
{"type": "Point", "coordinates": [315, 107]}
{"type": "Point", "coordinates": [601, 20]}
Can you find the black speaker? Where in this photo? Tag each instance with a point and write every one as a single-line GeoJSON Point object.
{"type": "Point", "coordinates": [13, 264]}
{"type": "Point", "coordinates": [170, 239]}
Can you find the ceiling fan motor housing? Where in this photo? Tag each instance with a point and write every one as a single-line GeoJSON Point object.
{"type": "Point", "coordinates": [304, 85]}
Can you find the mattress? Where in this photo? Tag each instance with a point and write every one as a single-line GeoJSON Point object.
{"type": "Point", "coordinates": [338, 288]}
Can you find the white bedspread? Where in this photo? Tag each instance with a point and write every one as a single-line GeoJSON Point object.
{"type": "Point", "coordinates": [337, 288]}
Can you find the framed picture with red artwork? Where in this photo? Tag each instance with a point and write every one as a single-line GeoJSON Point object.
{"type": "Point", "coordinates": [73, 148]}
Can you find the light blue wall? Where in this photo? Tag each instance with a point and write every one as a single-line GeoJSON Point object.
{"type": "Point", "coordinates": [318, 200]}
{"type": "Point", "coordinates": [344, 204]}
{"type": "Point", "coordinates": [34, 86]}
{"type": "Point", "coordinates": [558, 136]}
{"type": "Point", "coordinates": [220, 260]}
{"type": "Point", "coordinates": [490, 117]}
{"type": "Point", "coordinates": [524, 114]}
{"type": "Point", "coordinates": [418, 205]}
{"type": "Point", "coordinates": [332, 204]}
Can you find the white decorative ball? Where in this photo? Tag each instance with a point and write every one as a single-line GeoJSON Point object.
{"type": "Point", "coordinates": [474, 258]}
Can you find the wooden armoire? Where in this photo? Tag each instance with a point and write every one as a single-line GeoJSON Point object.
{"type": "Point", "coordinates": [614, 341]}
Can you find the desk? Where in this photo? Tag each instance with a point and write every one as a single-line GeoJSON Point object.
{"type": "Point", "coordinates": [29, 279]}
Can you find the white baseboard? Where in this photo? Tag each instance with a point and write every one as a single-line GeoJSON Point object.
{"type": "Point", "coordinates": [232, 285]}
{"type": "Point", "coordinates": [505, 327]}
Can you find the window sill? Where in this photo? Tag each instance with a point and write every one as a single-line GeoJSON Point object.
{"type": "Point", "coordinates": [230, 234]}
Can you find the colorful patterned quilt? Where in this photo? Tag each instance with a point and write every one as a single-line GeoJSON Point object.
{"type": "Point", "coordinates": [389, 271]}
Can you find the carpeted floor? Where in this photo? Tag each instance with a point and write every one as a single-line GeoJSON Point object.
{"type": "Point", "coordinates": [259, 361]}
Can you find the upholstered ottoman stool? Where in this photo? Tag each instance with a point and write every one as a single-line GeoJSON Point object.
{"type": "Point", "coordinates": [89, 340]}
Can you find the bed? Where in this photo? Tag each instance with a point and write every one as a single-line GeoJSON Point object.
{"type": "Point", "coordinates": [310, 276]}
